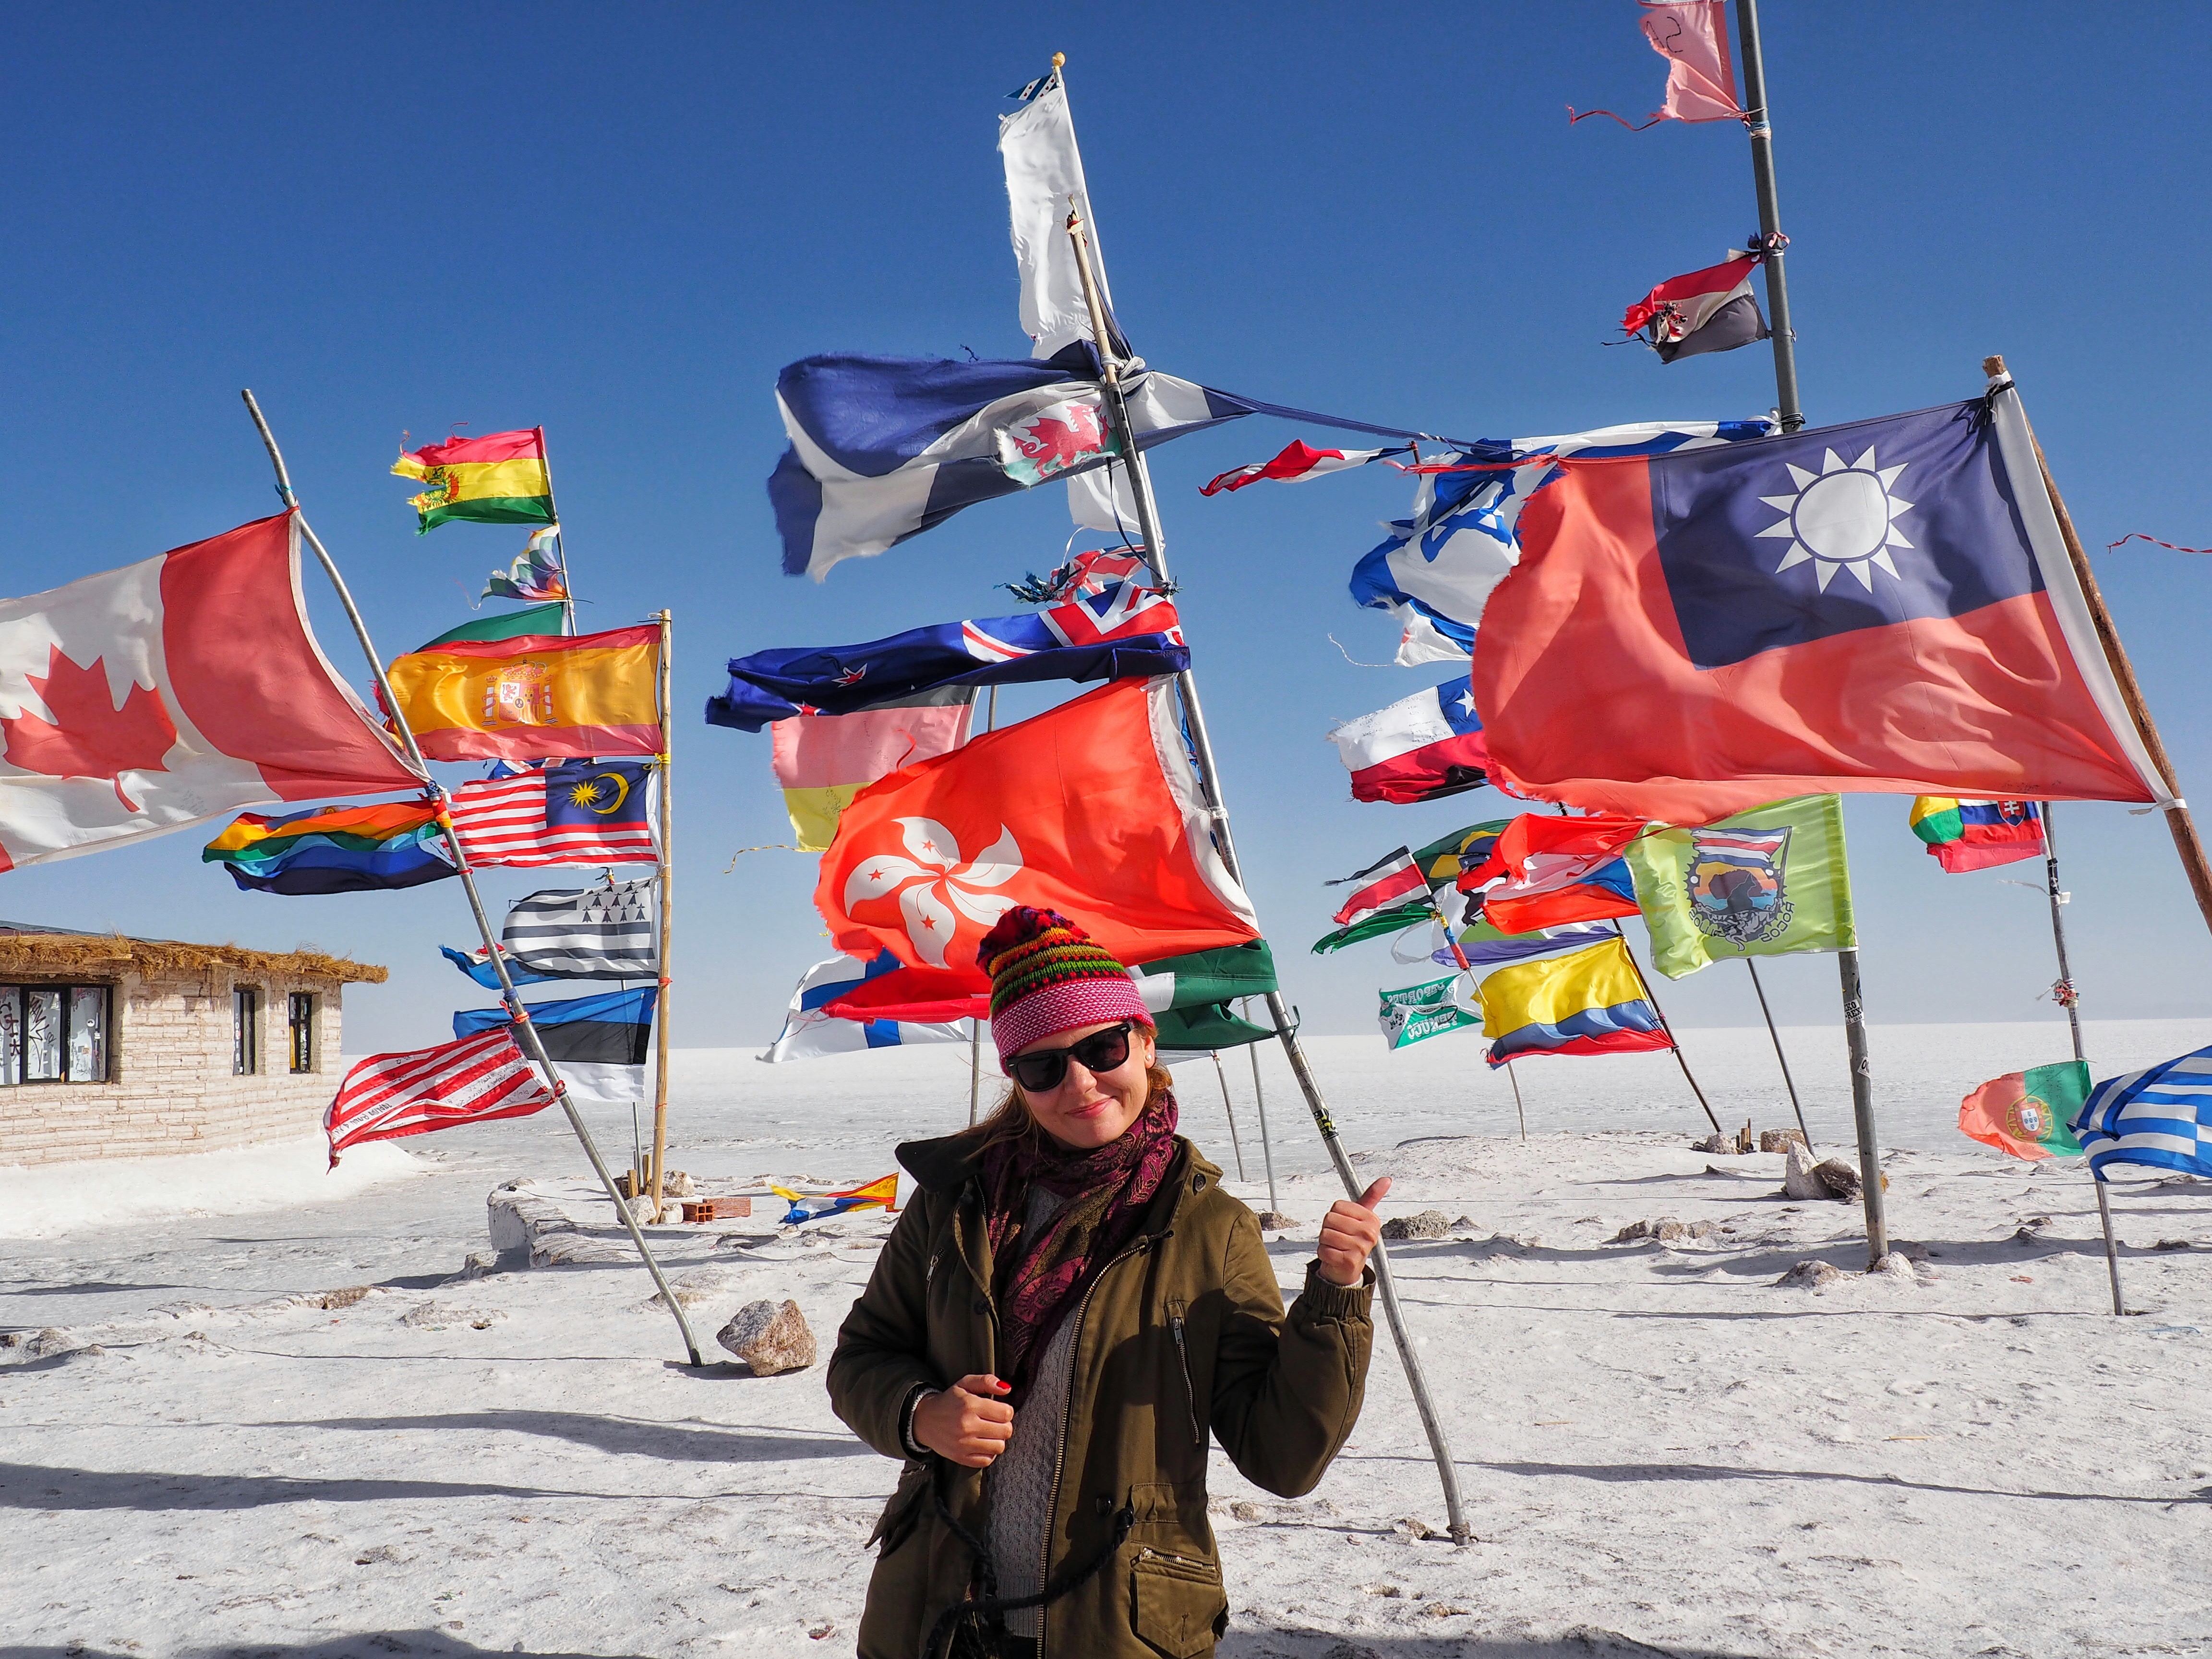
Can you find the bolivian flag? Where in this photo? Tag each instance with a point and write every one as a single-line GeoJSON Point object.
{"type": "Point", "coordinates": [500, 478]}
{"type": "Point", "coordinates": [537, 697]}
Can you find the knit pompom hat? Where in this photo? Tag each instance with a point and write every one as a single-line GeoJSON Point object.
{"type": "Point", "coordinates": [1047, 976]}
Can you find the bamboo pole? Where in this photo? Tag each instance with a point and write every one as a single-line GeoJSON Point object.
{"type": "Point", "coordinates": [1780, 1059]}
{"type": "Point", "coordinates": [667, 768]}
{"type": "Point", "coordinates": [560, 540]}
{"type": "Point", "coordinates": [976, 1026]}
{"type": "Point", "coordinates": [1141, 491]}
{"type": "Point", "coordinates": [525, 1030]}
{"type": "Point", "coordinates": [2072, 1003]}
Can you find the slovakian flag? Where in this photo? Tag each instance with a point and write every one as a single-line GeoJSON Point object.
{"type": "Point", "coordinates": [1708, 310]}
{"type": "Point", "coordinates": [1590, 1002]}
{"type": "Point", "coordinates": [1976, 835]}
{"type": "Point", "coordinates": [171, 691]}
{"type": "Point", "coordinates": [534, 697]}
{"type": "Point", "coordinates": [1544, 871]}
{"type": "Point", "coordinates": [473, 1080]}
{"type": "Point", "coordinates": [1091, 809]}
{"type": "Point", "coordinates": [1121, 630]}
{"type": "Point", "coordinates": [1887, 606]}
{"type": "Point", "coordinates": [1383, 885]}
{"type": "Point", "coordinates": [1294, 465]}
{"type": "Point", "coordinates": [2026, 1113]}
{"type": "Point", "coordinates": [1420, 748]}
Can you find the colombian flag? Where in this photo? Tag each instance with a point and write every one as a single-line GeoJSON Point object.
{"type": "Point", "coordinates": [1590, 1002]}
{"type": "Point", "coordinates": [540, 697]}
{"type": "Point", "coordinates": [1974, 835]}
{"type": "Point", "coordinates": [1886, 607]}
{"type": "Point", "coordinates": [499, 478]}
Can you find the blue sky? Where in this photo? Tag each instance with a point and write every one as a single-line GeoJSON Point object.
{"type": "Point", "coordinates": [620, 224]}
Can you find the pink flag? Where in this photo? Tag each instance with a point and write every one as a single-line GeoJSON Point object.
{"type": "Point", "coordinates": [1691, 35]}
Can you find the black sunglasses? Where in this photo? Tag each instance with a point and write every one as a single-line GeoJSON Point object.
{"type": "Point", "coordinates": [1042, 1070]}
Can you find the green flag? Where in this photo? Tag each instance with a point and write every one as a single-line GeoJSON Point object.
{"type": "Point", "coordinates": [1416, 1013]}
{"type": "Point", "coordinates": [1440, 862]}
{"type": "Point", "coordinates": [509, 625]}
{"type": "Point", "coordinates": [1190, 995]}
{"type": "Point", "coordinates": [1768, 883]}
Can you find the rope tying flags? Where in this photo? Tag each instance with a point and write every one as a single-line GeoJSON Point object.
{"type": "Point", "coordinates": [2137, 536]}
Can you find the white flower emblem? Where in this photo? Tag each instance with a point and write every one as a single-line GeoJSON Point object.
{"type": "Point", "coordinates": [934, 882]}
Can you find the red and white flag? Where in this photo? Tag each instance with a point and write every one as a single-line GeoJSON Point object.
{"type": "Point", "coordinates": [170, 692]}
{"type": "Point", "coordinates": [1544, 871]}
{"type": "Point", "coordinates": [1295, 464]}
{"type": "Point", "coordinates": [526, 822]}
{"type": "Point", "coordinates": [1420, 748]}
{"type": "Point", "coordinates": [474, 1080]}
{"type": "Point", "coordinates": [1381, 886]}
{"type": "Point", "coordinates": [1708, 310]}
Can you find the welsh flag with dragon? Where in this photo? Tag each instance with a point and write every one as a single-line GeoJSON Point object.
{"type": "Point", "coordinates": [171, 691]}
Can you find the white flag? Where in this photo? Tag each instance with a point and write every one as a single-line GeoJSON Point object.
{"type": "Point", "coordinates": [1044, 170]}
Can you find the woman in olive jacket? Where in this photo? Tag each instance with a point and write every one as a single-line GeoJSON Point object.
{"type": "Point", "coordinates": [1068, 1307]}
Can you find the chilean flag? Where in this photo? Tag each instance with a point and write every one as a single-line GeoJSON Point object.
{"type": "Point", "coordinates": [1546, 871]}
{"type": "Point", "coordinates": [1887, 606]}
{"type": "Point", "coordinates": [1421, 748]}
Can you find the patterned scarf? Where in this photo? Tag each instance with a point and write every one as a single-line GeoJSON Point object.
{"type": "Point", "coordinates": [1039, 1280]}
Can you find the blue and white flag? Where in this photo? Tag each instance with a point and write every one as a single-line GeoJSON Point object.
{"type": "Point", "coordinates": [2161, 1117]}
{"type": "Point", "coordinates": [882, 448]}
{"type": "Point", "coordinates": [1436, 571]}
{"type": "Point", "coordinates": [809, 1033]}
{"type": "Point", "coordinates": [598, 1044]}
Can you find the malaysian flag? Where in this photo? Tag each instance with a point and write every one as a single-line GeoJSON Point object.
{"type": "Point", "coordinates": [2161, 1117]}
{"type": "Point", "coordinates": [472, 1081]}
{"type": "Point", "coordinates": [569, 812]}
{"type": "Point", "coordinates": [597, 932]}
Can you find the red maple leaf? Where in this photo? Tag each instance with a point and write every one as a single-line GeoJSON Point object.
{"type": "Point", "coordinates": [88, 737]}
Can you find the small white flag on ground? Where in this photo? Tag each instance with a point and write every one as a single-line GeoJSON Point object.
{"type": "Point", "coordinates": [809, 1032]}
{"type": "Point", "coordinates": [480, 1078]}
{"type": "Point", "coordinates": [597, 932]}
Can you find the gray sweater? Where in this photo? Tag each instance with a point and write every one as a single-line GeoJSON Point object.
{"type": "Point", "coordinates": [1020, 1482]}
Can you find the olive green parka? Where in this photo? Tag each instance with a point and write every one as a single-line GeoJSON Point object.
{"type": "Point", "coordinates": [1182, 1335]}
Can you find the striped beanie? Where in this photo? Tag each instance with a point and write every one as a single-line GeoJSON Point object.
{"type": "Point", "coordinates": [1047, 976]}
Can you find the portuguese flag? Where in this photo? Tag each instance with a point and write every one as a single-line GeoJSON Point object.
{"type": "Point", "coordinates": [500, 478]}
{"type": "Point", "coordinates": [2027, 1113]}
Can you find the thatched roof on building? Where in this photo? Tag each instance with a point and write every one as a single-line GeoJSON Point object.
{"type": "Point", "coordinates": [31, 951]}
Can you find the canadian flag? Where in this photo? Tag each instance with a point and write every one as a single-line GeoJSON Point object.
{"type": "Point", "coordinates": [1092, 810]}
{"type": "Point", "coordinates": [171, 691]}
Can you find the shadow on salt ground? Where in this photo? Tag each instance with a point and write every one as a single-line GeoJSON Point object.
{"type": "Point", "coordinates": [376, 1644]}
{"type": "Point", "coordinates": [672, 1443]}
{"type": "Point", "coordinates": [41, 1486]}
{"type": "Point", "coordinates": [1585, 1642]}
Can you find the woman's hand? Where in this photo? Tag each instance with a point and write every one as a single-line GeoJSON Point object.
{"type": "Point", "coordinates": [968, 1423]}
{"type": "Point", "coordinates": [1348, 1233]}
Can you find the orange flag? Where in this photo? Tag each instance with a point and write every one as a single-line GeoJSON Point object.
{"type": "Point", "coordinates": [535, 696]}
{"type": "Point", "coordinates": [1092, 810]}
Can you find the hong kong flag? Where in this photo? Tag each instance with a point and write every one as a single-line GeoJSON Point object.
{"type": "Point", "coordinates": [1885, 606]}
{"type": "Point", "coordinates": [1092, 810]}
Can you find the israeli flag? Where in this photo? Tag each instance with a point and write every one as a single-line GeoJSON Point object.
{"type": "Point", "coordinates": [809, 1033]}
{"type": "Point", "coordinates": [1437, 569]}
{"type": "Point", "coordinates": [2161, 1117]}
{"type": "Point", "coordinates": [882, 448]}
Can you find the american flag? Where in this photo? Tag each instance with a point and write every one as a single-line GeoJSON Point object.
{"type": "Point", "coordinates": [472, 1081]}
{"type": "Point", "coordinates": [574, 812]}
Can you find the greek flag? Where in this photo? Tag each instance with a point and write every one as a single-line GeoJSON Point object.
{"type": "Point", "coordinates": [597, 932]}
{"type": "Point", "coordinates": [2161, 1117]}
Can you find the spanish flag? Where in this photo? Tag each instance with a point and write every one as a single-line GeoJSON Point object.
{"type": "Point", "coordinates": [537, 697]}
{"type": "Point", "coordinates": [500, 478]}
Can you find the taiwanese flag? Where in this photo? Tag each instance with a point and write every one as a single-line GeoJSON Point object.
{"type": "Point", "coordinates": [1886, 607]}
{"type": "Point", "coordinates": [1546, 871]}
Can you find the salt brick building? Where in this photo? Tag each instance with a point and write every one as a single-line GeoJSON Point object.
{"type": "Point", "coordinates": [130, 1048]}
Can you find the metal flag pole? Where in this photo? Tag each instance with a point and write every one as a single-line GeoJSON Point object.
{"type": "Point", "coordinates": [1759, 124]}
{"type": "Point", "coordinates": [2071, 1002]}
{"type": "Point", "coordinates": [1519, 1111]}
{"type": "Point", "coordinates": [976, 1024]}
{"type": "Point", "coordinates": [1259, 1099]}
{"type": "Point", "coordinates": [1148, 522]}
{"type": "Point", "coordinates": [560, 540]}
{"type": "Point", "coordinates": [1230, 1112]}
{"type": "Point", "coordinates": [1781, 1058]}
{"type": "Point", "coordinates": [664, 764]}
{"type": "Point", "coordinates": [525, 1028]}
{"type": "Point", "coordinates": [1467, 967]}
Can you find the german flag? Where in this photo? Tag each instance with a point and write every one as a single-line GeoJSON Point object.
{"type": "Point", "coordinates": [500, 478]}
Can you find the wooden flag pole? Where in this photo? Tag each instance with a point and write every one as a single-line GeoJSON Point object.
{"type": "Point", "coordinates": [976, 1026]}
{"type": "Point", "coordinates": [2072, 1004]}
{"type": "Point", "coordinates": [1781, 1058]}
{"type": "Point", "coordinates": [526, 1031]}
{"type": "Point", "coordinates": [1681, 1059]}
{"type": "Point", "coordinates": [560, 539]}
{"type": "Point", "coordinates": [1148, 522]}
{"type": "Point", "coordinates": [666, 768]}
{"type": "Point", "coordinates": [1519, 1111]}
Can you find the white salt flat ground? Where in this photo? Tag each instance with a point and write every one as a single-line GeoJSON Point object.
{"type": "Point", "coordinates": [1661, 1452]}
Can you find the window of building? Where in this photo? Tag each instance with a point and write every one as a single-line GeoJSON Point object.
{"type": "Point", "coordinates": [54, 1033]}
{"type": "Point", "coordinates": [303, 1031]}
{"type": "Point", "coordinates": [246, 1031]}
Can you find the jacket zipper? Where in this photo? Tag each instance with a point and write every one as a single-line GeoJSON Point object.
{"type": "Point", "coordinates": [1060, 1454]}
{"type": "Point", "coordinates": [1189, 1389]}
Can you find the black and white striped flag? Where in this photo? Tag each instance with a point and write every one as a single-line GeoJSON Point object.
{"type": "Point", "coordinates": [594, 933]}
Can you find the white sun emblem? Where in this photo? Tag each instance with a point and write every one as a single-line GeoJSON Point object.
{"type": "Point", "coordinates": [934, 883]}
{"type": "Point", "coordinates": [1842, 517]}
